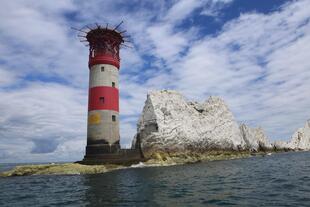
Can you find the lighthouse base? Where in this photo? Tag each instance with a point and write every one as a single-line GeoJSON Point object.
{"type": "Point", "coordinates": [120, 156]}
{"type": "Point", "coordinates": [98, 153]}
{"type": "Point", "coordinates": [98, 149]}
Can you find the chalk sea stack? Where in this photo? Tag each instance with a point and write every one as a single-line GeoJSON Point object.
{"type": "Point", "coordinates": [255, 138]}
{"type": "Point", "coordinates": [300, 140]}
{"type": "Point", "coordinates": [169, 123]}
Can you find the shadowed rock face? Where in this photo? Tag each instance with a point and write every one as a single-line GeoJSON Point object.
{"type": "Point", "coordinates": [255, 138]}
{"type": "Point", "coordinates": [170, 123]}
{"type": "Point", "coordinates": [281, 145]}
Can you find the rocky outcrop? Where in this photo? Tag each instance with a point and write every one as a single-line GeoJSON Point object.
{"type": "Point", "coordinates": [255, 138]}
{"type": "Point", "coordinates": [281, 145]}
{"type": "Point", "coordinates": [60, 169]}
{"type": "Point", "coordinates": [170, 123]}
{"type": "Point", "coordinates": [301, 138]}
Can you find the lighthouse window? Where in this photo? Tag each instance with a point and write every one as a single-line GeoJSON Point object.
{"type": "Point", "coordinates": [102, 69]}
{"type": "Point", "coordinates": [113, 84]}
{"type": "Point", "coordinates": [113, 118]}
{"type": "Point", "coordinates": [101, 99]}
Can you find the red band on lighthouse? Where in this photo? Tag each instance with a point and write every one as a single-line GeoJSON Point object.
{"type": "Point", "coordinates": [103, 98]}
{"type": "Point", "coordinates": [103, 59]}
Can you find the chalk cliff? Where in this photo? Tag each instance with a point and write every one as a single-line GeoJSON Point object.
{"type": "Point", "coordinates": [170, 123]}
{"type": "Point", "coordinates": [255, 138]}
{"type": "Point", "coordinates": [301, 138]}
{"type": "Point", "coordinates": [281, 145]}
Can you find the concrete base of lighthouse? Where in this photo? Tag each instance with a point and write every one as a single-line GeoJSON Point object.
{"type": "Point", "coordinates": [121, 156]}
{"type": "Point", "coordinates": [98, 153]}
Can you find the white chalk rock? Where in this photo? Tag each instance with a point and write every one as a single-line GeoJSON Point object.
{"type": "Point", "coordinates": [169, 122]}
{"type": "Point", "coordinates": [282, 145]}
{"type": "Point", "coordinates": [301, 138]}
{"type": "Point", "coordinates": [255, 138]}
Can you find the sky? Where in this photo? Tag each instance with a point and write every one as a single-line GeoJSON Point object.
{"type": "Point", "coordinates": [254, 54]}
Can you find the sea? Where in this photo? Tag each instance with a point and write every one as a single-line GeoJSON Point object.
{"type": "Point", "coordinates": [281, 179]}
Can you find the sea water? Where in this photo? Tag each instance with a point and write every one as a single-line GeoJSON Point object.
{"type": "Point", "coordinates": [281, 179]}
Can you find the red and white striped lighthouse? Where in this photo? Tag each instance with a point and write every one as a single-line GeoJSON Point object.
{"type": "Point", "coordinates": [103, 99]}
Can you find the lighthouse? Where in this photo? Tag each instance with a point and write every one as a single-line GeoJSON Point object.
{"type": "Point", "coordinates": [103, 137]}
{"type": "Point", "coordinates": [104, 43]}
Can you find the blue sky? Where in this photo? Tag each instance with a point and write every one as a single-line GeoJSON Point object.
{"type": "Point", "coordinates": [252, 53]}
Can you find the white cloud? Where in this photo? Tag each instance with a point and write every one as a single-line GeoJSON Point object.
{"type": "Point", "coordinates": [7, 78]}
{"type": "Point", "coordinates": [213, 7]}
{"type": "Point", "coordinates": [167, 44]}
{"type": "Point", "coordinates": [35, 40]}
{"type": "Point", "coordinates": [39, 117]}
{"type": "Point", "coordinates": [182, 9]}
{"type": "Point", "coordinates": [259, 64]}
